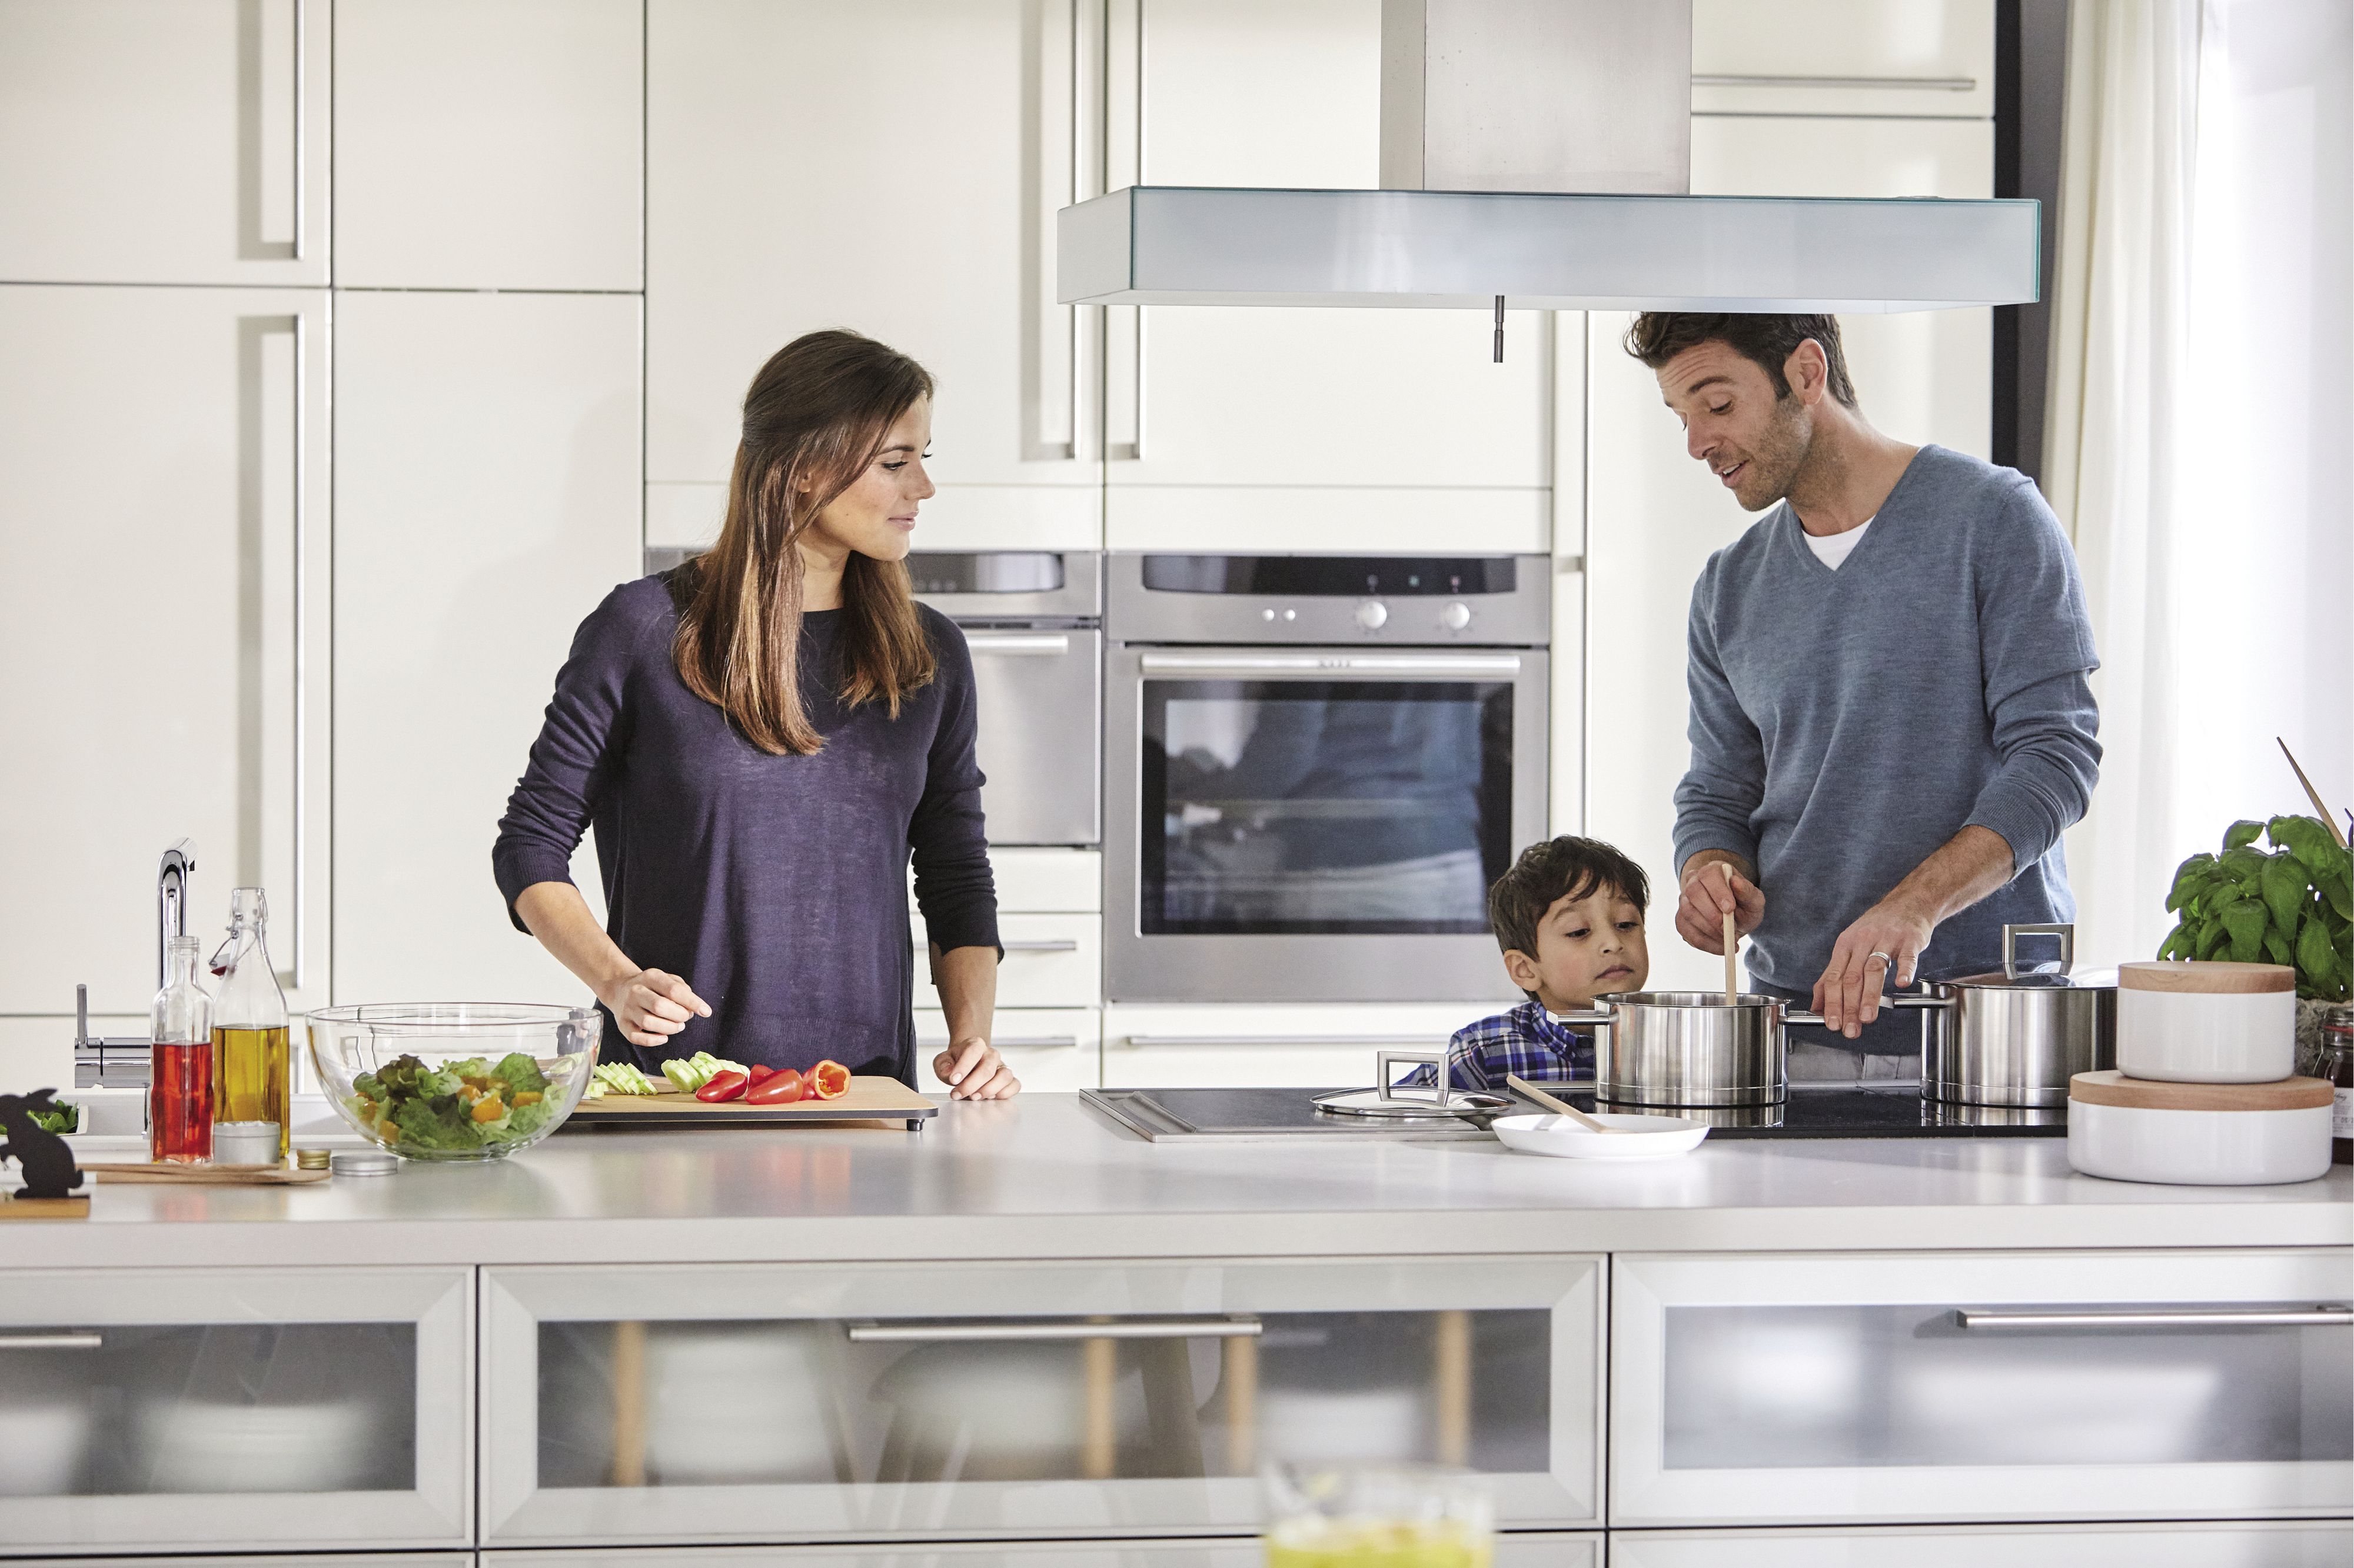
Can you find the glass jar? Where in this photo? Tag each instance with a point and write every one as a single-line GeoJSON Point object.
{"type": "Point", "coordinates": [2332, 1061]}
{"type": "Point", "coordinates": [253, 1076]}
{"type": "Point", "coordinates": [180, 1061]}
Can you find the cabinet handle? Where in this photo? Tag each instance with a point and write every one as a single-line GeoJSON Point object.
{"type": "Point", "coordinates": [1148, 1040]}
{"type": "Point", "coordinates": [73, 1342]}
{"type": "Point", "coordinates": [1043, 644]}
{"type": "Point", "coordinates": [998, 1329]}
{"type": "Point", "coordinates": [1040, 945]}
{"type": "Point", "coordinates": [1343, 663]}
{"type": "Point", "coordinates": [300, 902]}
{"type": "Point", "coordinates": [1904, 83]}
{"type": "Point", "coordinates": [2322, 1317]}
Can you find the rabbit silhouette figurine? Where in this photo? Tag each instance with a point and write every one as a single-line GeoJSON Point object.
{"type": "Point", "coordinates": [46, 1163]}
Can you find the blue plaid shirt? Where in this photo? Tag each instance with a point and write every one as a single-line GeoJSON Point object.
{"type": "Point", "coordinates": [1527, 1041]}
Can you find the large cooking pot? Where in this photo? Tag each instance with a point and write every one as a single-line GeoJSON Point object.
{"type": "Point", "coordinates": [2015, 1036]}
{"type": "Point", "coordinates": [1690, 1048]}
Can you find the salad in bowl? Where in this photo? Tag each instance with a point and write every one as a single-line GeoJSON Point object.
{"type": "Point", "coordinates": [454, 1080]}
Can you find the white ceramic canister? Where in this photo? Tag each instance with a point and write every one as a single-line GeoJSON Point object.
{"type": "Point", "coordinates": [2198, 1135]}
{"type": "Point", "coordinates": [2207, 1023]}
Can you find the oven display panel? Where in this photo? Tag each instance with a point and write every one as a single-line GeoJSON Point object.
{"type": "Point", "coordinates": [1301, 806]}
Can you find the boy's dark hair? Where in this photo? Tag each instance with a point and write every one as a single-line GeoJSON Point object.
{"type": "Point", "coordinates": [1767, 342]}
{"type": "Point", "coordinates": [1565, 867]}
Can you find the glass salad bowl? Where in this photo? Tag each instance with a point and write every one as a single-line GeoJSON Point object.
{"type": "Point", "coordinates": [454, 1080]}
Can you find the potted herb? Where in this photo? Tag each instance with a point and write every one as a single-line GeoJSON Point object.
{"type": "Point", "coordinates": [2292, 904]}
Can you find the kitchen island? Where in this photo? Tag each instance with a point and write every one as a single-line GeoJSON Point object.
{"type": "Point", "coordinates": [1026, 1325]}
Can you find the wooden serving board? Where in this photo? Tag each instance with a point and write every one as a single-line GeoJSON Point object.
{"type": "Point", "coordinates": [867, 1099]}
{"type": "Point", "coordinates": [15, 1208]}
{"type": "Point", "coordinates": [208, 1175]}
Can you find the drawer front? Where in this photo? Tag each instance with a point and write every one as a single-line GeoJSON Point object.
{"type": "Point", "coordinates": [1267, 1047]}
{"type": "Point", "coordinates": [2204, 1545]}
{"type": "Point", "coordinates": [246, 1410]}
{"type": "Point", "coordinates": [1053, 1050]}
{"type": "Point", "coordinates": [1864, 58]}
{"type": "Point", "coordinates": [1986, 1386]}
{"type": "Point", "coordinates": [1055, 1400]}
{"type": "Point", "coordinates": [1051, 961]}
{"type": "Point", "coordinates": [1532, 1550]}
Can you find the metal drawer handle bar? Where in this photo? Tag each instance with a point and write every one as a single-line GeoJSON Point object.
{"type": "Point", "coordinates": [1432, 1038]}
{"type": "Point", "coordinates": [2322, 1317]}
{"type": "Point", "coordinates": [1039, 944]}
{"type": "Point", "coordinates": [989, 642]}
{"type": "Point", "coordinates": [1309, 664]}
{"type": "Point", "coordinates": [75, 1342]}
{"type": "Point", "coordinates": [942, 1043]}
{"type": "Point", "coordinates": [996, 1329]}
{"type": "Point", "coordinates": [1906, 83]}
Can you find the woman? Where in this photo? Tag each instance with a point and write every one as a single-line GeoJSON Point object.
{"type": "Point", "coordinates": [759, 738]}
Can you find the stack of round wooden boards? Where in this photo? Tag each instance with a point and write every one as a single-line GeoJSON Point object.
{"type": "Point", "coordinates": [2205, 1091]}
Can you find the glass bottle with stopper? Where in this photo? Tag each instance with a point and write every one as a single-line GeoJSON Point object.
{"type": "Point", "coordinates": [180, 1057]}
{"type": "Point", "coordinates": [253, 1072]}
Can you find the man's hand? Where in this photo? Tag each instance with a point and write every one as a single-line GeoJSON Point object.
{"type": "Point", "coordinates": [974, 1070]}
{"type": "Point", "coordinates": [1714, 882]}
{"type": "Point", "coordinates": [1886, 941]}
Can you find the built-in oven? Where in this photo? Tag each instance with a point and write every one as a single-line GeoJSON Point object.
{"type": "Point", "coordinates": [1316, 764]}
{"type": "Point", "coordinates": [1033, 620]}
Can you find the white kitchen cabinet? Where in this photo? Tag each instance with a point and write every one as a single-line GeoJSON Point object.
{"type": "Point", "coordinates": [488, 483]}
{"type": "Point", "coordinates": [165, 620]}
{"type": "Point", "coordinates": [2182, 1545]}
{"type": "Point", "coordinates": [490, 143]}
{"type": "Point", "coordinates": [1051, 961]}
{"type": "Point", "coordinates": [1043, 1399]}
{"type": "Point", "coordinates": [1878, 57]}
{"type": "Point", "coordinates": [1532, 1549]}
{"type": "Point", "coordinates": [164, 141]}
{"type": "Point", "coordinates": [1053, 1050]}
{"type": "Point", "coordinates": [894, 168]}
{"type": "Point", "coordinates": [1248, 428]}
{"type": "Point", "coordinates": [275, 1560]}
{"type": "Point", "coordinates": [1268, 1047]}
{"type": "Point", "coordinates": [1825, 1390]}
{"type": "Point", "coordinates": [1654, 515]}
{"type": "Point", "coordinates": [198, 1409]}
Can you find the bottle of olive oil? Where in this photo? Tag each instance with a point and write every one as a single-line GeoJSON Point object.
{"type": "Point", "coordinates": [252, 1072]}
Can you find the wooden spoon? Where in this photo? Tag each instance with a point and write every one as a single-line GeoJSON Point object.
{"type": "Point", "coordinates": [1522, 1086]}
{"type": "Point", "coordinates": [1732, 944]}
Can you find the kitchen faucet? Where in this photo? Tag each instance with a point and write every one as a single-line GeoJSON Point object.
{"type": "Point", "coordinates": [172, 900]}
{"type": "Point", "coordinates": [111, 1064]}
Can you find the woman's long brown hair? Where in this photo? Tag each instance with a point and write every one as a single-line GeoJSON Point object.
{"type": "Point", "coordinates": [816, 416]}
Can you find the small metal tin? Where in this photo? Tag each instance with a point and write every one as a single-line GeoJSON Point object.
{"type": "Point", "coordinates": [362, 1163]}
{"type": "Point", "coordinates": [312, 1159]}
{"type": "Point", "coordinates": [246, 1143]}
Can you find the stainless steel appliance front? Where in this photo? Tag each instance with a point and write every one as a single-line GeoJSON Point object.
{"type": "Point", "coordinates": [1316, 766]}
{"type": "Point", "coordinates": [1031, 619]}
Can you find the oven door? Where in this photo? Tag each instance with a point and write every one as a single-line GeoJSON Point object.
{"type": "Point", "coordinates": [1316, 824]}
{"type": "Point", "coordinates": [1038, 696]}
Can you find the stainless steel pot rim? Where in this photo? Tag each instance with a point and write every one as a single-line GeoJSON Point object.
{"type": "Point", "coordinates": [1692, 999]}
{"type": "Point", "coordinates": [1722, 1096]}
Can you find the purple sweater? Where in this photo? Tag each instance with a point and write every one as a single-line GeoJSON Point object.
{"type": "Point", "coordinates": [776, 885]}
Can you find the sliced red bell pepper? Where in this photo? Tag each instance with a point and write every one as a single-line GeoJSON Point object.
{"type": "Point", "coordinates": [828, 1080]}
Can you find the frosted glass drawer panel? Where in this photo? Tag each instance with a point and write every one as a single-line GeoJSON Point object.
{"type": "Point", "coordinates": [1987, 1386]}
{"type": "Point", "coordinates": [1520, 1549]}
{"type": "Point", "coordinates": [1074, 1400]}
{"type": "Point", "coordinates": [2202, 1545]}
{"type": "Point", "coordinates": [231, 1410]}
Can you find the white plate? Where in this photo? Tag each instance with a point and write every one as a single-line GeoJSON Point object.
{"type": "Point", "coordinates": [1650, 1138]}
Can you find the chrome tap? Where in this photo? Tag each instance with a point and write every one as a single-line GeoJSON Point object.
{"type": "Point", "coordinates": [172, 900]}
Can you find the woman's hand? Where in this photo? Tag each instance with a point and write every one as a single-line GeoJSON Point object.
{"type": "Point", "coordinates": [652, 1005]}
{"type": "Point", "coordinates": [974, 1070]}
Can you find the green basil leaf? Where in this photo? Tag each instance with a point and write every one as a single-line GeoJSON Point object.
{"type": "Point", "coordinates": [2317, 958]}
{"type": "Point", "coordinates": [2305, 836]}
{"type": "Point", "coordinates": [2245, 922]}
{"type": "Point", "coordinates": [2241, 832]}
{"type": "Point", "coordinates": [2243, 864]}
{"type": "Point", "coordinates": [2285, 891]}
{"type": "Point", "coordinates": [2188, 877]}
{"type": "Point", "coordinates": [2212, 940]}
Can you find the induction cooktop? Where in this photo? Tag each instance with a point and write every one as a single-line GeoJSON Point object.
{"type": "Point", "coordinates": [1892, 1109]}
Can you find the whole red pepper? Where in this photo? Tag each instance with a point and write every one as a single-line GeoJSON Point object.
{"type": "Point", "coordinates": [723, 1086]}
{"type": "Point", "coordinates": [781, 1088]}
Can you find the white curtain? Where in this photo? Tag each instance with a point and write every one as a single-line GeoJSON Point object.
{"type": "Point", "coordinates": [2200, 425]}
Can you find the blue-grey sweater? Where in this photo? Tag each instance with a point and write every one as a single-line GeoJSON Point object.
{"type": "Point", "coordinates": [1845, 724]}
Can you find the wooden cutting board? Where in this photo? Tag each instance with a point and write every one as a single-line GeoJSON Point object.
{"type": "Point", "coordinates": [867, 1099]}
{"type": "Point", "coordinates": [208, 1175]}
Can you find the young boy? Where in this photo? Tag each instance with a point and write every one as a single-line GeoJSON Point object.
{"type": "Point", "coordinates": [1569, 915]}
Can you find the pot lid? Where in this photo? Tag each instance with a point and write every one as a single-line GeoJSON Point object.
{"type": "Point", "coordinates": [2039, 980]}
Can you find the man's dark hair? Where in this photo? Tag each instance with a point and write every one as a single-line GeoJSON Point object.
{"type": "Point", "coordinates": [1546, 874]}
{"type": "Point", "coordinates": [1767, 342]}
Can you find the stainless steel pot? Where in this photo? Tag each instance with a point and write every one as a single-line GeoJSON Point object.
{"type": "Point", "coordinates": [1690, 1048]}
{"type": "Point", "coordinates": [2015, 1036]}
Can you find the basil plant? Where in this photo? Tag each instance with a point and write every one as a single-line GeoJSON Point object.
{"type": "Point", "coordinates": [2291, 904]}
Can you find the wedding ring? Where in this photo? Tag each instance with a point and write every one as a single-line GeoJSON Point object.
{"type": "Point", "coordinates": [1883, 958]}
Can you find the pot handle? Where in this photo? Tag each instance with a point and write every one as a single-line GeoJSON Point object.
{"type": "Point", "coordinates": [1593, 1017]}
{"type": "Point", "coordinates": [2063, 929]}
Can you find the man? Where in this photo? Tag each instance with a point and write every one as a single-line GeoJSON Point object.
{"type": "Point", "coordinates": [1890, 725]}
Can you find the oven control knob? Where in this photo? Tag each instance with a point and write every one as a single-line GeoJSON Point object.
{"type": "Point", "coordinates": [1372, 615]}
{"type": "Point", "coordinates": [1455, 617]}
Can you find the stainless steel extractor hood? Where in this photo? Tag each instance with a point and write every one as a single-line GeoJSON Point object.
{"type": "Point", "coordinates": [1536, 153]}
